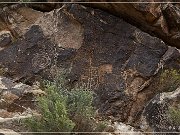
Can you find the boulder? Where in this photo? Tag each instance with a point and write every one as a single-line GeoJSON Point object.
{"type": "Point", "coordinates": [15, 122]}
{"type": "Point", "coordinates": [158, 115]}
{"type": "Point", "coordinates": [17, 96]}
{"type": "Point", "coordinates": [29, 55]}
{"type": "Point", "coordinates": [121, 129]}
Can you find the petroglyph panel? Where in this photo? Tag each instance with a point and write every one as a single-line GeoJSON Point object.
{"type": "Point", "coordinates": [94, 75]}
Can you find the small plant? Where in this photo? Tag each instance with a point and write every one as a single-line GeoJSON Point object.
{"type": "Point", "coordinates": [169, 80]}
{"type": "Point", "coordinates": [80, 108]}
{"type": "Point", "coordinates": [54, 115]}
{"type": "Point", "coordinates": [101, 126]}
{"type": "Point", "coordinates": [174, 114]}
{"type": "Point", "coordinates": [65, 110]}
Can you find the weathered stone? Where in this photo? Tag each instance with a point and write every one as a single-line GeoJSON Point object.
{"type": "Point", "coordinates": [15, 121]}
{"type": "Point", "coordinates": [17, 96]}
{"type": "Point", "coordinates": [121, 129]}
{"type": "Point", "coordinates": [44, 7]}
{"type": "Point", "coordinates": [17, 18]}
{"type": "Point", "coordinates": [8, 132]}
{"type": "Point", "coordinates": [108, 55]}
{"type": "Point", "coordinates": [34, 51]}
{"type": "Point", "coordinates": [160, 19]}
{"type": "Point", "coordinates": [5, 38]}
{"type": "Point", "coordinates": [156, 114]}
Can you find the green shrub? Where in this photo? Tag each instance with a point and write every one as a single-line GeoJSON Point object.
{"type": "Point", "coordinates": [81, 110]}
{"type": "Point", "coordinates": [169, 80]}
{"type": "Point", "coordinates": [54, 114]}
{"type": "Point", "coordinates": [101, 126]}
{"type": "Point", "coordinates": [174, 114]}
{"type": "Point", "coordinates": [65, 110]}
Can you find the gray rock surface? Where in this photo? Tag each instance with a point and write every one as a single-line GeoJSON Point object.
{"type": "Point", "coordinates": [17, 96]}
{"type": "Point", "coordinates": [157, 116]}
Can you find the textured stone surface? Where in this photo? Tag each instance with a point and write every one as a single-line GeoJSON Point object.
{"type": "Point", "coordinates": [108, 55]}
{"type": "Point", "coordinates": [16, 18]}
{"type": "Point", "coordinates": [5, 38]}
{"type": "Point", "coordinates": [160, 19]}
{"type": "Point", "coordinates": [8, 132]}
{"type": "Point", "coordinates": [17, 96]}
{"type": "Point", "coordinates": [121, 129]}
{"type": "Point", "coordinates": [28, 56]}
{"type": "Point", "coordinates": [156, 114]}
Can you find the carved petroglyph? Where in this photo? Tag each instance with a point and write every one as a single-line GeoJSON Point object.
{"type": "Point", "coordinates": [138, 35]}
{"type": "Point", "coordinates": [95, 75]}
{"type": "Point", "coordinates": [91, 77]}
{"type": "Point", "coordinates": [47, 56]}
{"type": "Point", "coordinates": [41, 60]}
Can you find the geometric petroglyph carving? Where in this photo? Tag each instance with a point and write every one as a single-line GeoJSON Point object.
{"type": "Point", "coordinates": [93, 76]}
{"type": "Point", "coordinates": [41, 60]}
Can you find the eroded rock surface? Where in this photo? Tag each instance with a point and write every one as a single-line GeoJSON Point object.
{"type": "Point", "coordinates": [108, 55]}
{"type": "Point", "coordinates": [5, 39]}
{"type": "Point", "coordinates": [160, 19]}
{"type": "Point", "coordinates": [16, 18]}
{"type": "Point", "coordinates": [157, 112]}
{"type": "Point", "coordinates": [17, 96]}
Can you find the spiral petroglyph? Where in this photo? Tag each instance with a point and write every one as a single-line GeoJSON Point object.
{"type": "Point", "coordinates": [41, 60]}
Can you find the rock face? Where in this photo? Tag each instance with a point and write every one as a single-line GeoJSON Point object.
{"type": "Point", "coordinates": [17, 18]}
{"type": "Point", "coordinates": [121, 129]}
{"type": "Point", "coordinates": [157, 112]}
{"type": "Point", "coordinates": [101, 51]}
{"type": "Point", "coordinates": [15, 122]}
{"type": "Point", "coordinates": [34, 52]}
{"type": "Point", "coordinates": [17, 96]}
{"type": "Point", "coordinates": [160, 19]}
{"type": "Point", "coordinates": [110, 56]}
{"type": "Point", "coordinates": [17, 102]}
